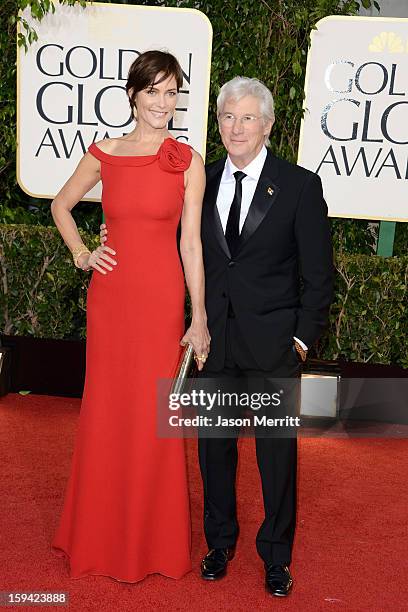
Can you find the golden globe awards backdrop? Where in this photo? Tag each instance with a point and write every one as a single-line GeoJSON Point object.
{"type": "Point", "coordinates": [71, 84]}
{"type": "Point", "coordinates": [355, 128]}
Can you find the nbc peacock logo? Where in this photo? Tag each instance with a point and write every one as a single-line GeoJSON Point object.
{"type": "Point", "coordinates": [389, 42]}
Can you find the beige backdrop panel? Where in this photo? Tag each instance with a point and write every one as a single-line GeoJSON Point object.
{"type": "Point", "coordinates": [355, 128]}
{"type": "Point", "coordinates": [71, 84]}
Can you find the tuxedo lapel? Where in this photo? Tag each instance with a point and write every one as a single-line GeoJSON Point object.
{"type": "Point", "coordinates": [265, 195]}
{"type": "Point", "coordinates": [211, 193]}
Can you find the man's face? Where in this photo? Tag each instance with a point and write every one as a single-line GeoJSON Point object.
{"type": "Point", "coordinates": [243, 129]}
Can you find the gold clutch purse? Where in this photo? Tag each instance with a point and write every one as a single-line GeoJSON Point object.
{"type": "Point", "coordinates": [186, 368]}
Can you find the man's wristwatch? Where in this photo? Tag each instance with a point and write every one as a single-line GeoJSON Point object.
{"type": "Point", "coordinates": [300, 351]}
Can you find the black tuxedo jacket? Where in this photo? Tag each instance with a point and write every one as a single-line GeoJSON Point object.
{"type": "Point", "coordinates": [280, 280]}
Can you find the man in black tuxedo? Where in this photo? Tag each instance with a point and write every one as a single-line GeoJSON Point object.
{"type": "Point", "coordinates": [269, 271]}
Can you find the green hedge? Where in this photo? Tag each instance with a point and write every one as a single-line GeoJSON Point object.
{"type": "Point", "coordinates": [43, 294]}
{"type": "Point", "coordinates": [369, 317]}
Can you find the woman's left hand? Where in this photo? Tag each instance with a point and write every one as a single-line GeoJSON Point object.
{"type": "Point", "coordinates": [199, 336]}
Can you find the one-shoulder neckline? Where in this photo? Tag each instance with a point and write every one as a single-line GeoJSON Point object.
{"type": "Point", "coordinates": [132, 156]}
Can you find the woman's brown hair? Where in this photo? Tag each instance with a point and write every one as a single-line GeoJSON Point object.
{"type": "Point", "coordinates": [145, 69]}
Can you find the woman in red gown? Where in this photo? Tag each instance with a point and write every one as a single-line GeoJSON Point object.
{"type": "Point", "coordinates": [126, 511]}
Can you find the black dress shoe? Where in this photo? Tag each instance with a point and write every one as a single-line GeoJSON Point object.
{"type": "Point", "coordinates": [278, 580]}
{"type": "Point", "coordinates": [214, 564]}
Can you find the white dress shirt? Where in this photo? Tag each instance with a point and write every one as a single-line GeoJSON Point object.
{"type": "Point", "coordinates": [227, 189]}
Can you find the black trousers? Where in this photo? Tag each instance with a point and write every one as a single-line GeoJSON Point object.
{"type": "Point", "coordinates": [277, 464]}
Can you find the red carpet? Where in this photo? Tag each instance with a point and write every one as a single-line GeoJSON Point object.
{"type": "Point", "coordinates": [351, 546]}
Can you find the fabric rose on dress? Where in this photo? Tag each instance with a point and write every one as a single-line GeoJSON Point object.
{"type": "Point", "coordinates": [174, 156]}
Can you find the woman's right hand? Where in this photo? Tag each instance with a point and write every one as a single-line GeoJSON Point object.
{"type": "Point", "coordinates": [98, 260]}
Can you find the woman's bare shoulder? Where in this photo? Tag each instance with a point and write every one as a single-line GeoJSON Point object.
{"type": "Point", "coordinates": [197, 162]}
{"type": "Point", "coordinates": [197, 156]}
{"type": "Point", "coordinates": [108, 145]}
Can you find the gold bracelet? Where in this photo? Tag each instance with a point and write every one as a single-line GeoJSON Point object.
{"type": "Point", "coordinates": [301, 351]}
{"type": "Point", "coordinates": [77, 252]}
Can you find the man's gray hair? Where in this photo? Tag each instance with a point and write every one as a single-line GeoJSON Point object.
{"type": "Point", "coordinates": [238, 87]}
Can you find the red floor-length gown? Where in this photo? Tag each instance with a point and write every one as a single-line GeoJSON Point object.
{"type": "Point", "coordinates": [126, 512]}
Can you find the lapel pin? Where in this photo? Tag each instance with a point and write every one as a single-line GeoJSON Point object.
{"type": "Point", "coordinates": [270, 191]}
